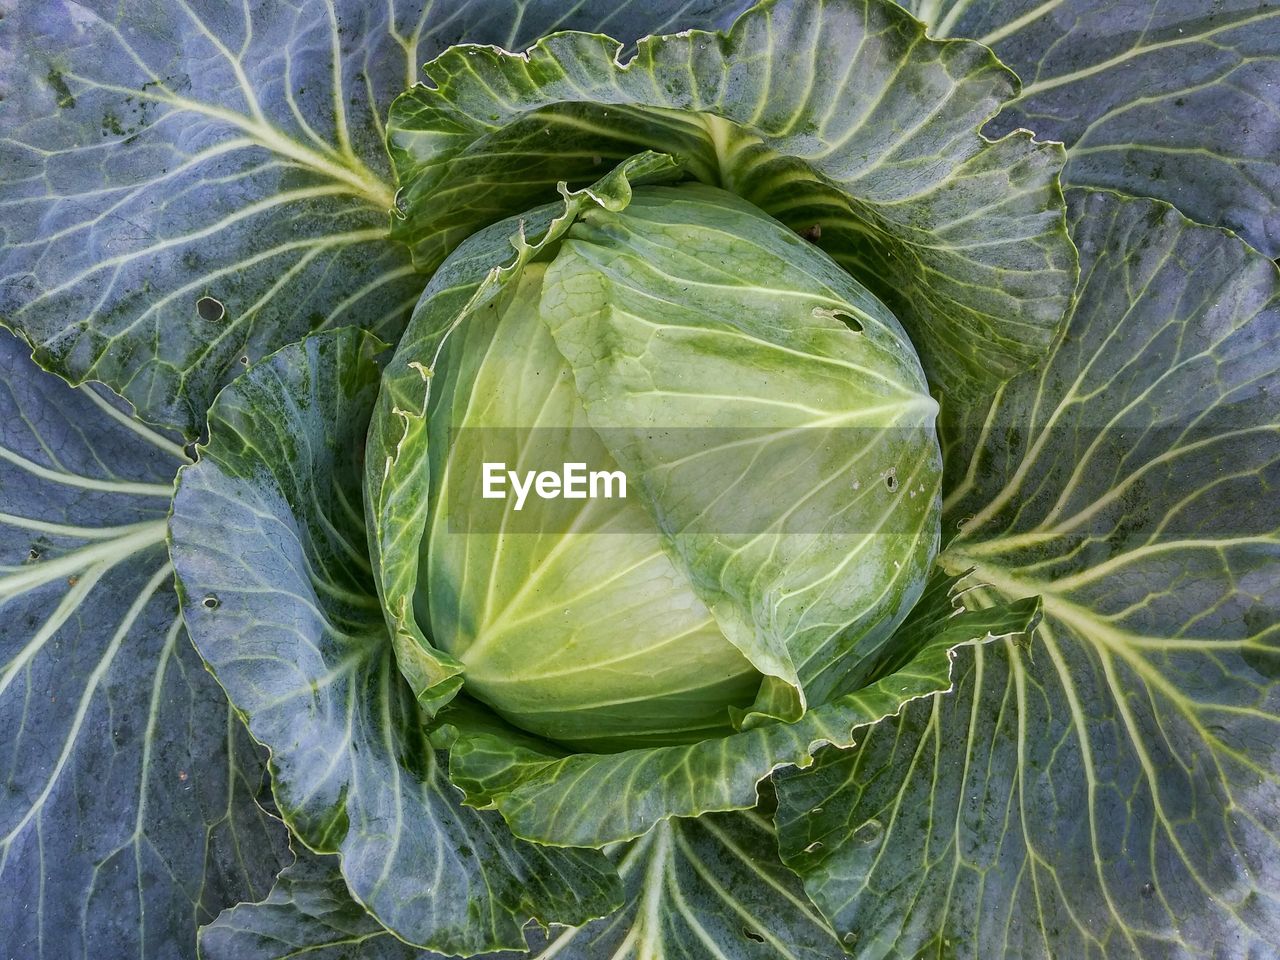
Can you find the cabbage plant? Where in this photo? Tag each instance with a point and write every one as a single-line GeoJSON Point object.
{"type": "Point", "coordinates": [649, 480]}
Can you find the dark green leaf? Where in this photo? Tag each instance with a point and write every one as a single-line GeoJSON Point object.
{"type": "Point", "coordinates": [694, 889]}
{"type": "Point", "coordinates": [839, 115]}
{"type": "Point", "coordinates": [309, 913]}
{"type": "Point", "coordinates": [127, 787]}
{"type": "Point", "coordinates": [1173, 99]}
{"type": "Point", "coordinates": [269, 543]}
{"type": "Point", "coordinates": [1109, 789]}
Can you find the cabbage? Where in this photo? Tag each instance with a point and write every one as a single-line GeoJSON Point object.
{"type": "Point", "coordinates": [657, 481]}
{"type": "Point", "coordinates": [647, 339]}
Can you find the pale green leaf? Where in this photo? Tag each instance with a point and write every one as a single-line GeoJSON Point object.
{"type": "Point", "coordinates": [773, 416]}
{"type": "Point", "coordinates": [398, 459]}
{"type": "Point", "coordinates": [594, 799]}
{"type": "Point", "coordinates": [498, 584]}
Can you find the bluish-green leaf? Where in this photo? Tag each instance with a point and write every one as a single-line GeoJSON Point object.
{"type": "Point", "coordinates": [1110, 788]}
{"type": "Point", "coordinates": [184, 183]}
{"type": "Point", "coordinates": [309, 913]}
{"type": "Point", "coordinates": [839, 118]}
{"type": "Point", "coordinates": [128, 789]}
{"type": "Point", "coordinates": [1156, 98]}
{"type": "Point", "coordinates": [268, 541]}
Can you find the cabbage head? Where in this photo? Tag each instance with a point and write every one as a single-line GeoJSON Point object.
{"type": "Point", "coordinates": [778, 433]}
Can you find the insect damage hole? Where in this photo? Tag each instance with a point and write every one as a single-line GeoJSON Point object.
{"type": "Point", "coordinates": [843, 316]}
{"type": "Point", "coordinates": [891, 479]}
{"type": "Point", "coordinates": [210, 310]}
{"type": "Point", "coordinates": [752, 935]}
{"type": "Point", "coordinates": [210, 602]}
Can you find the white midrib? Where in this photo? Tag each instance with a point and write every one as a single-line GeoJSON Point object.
{"type": "Point", "coordinates": [128, 541]}
{"type": "Point", "coordinates": [86, 483]}
{"type": "Point", "coordinates": [359, 180]}
{"type": "Point", "coordinates": [645, 936]}
{"type": "Point", "coordinates": [1087, 623]}
{"type": "Point", "coordinates": [86, 699]}
{"type": "Point", "coordinates": [81, 569]}
{"type": "Point", "coordinates": [1137, 51]}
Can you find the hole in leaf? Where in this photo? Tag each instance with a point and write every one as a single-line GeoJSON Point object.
{"type": "Point", "coordinates": [210, 310]}
{"type": "Point", "coordinates": [891, 479]}
{"type": "Point", "coordinates": [843, 316]}
{"type": "Point", "coordinates": [848, 319]}
{"type": "Point", "coordinates": [210, 602]}
{"type": "Point", "coordinates": [245, 361]}
{"type": "Point", "coordinates": [752, 936]}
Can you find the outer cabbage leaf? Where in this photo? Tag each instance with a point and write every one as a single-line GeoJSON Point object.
{"type": "Point", "coordinates": [1172, 99]}
{"type": "Point", "coordinates": [129, 811]}
{"type": "Point", "coordinates": [589, 799]}
{"type": "Point", "coordinates": [710, 887]}
{"type": "Point", "coordinates": [310, 913]}
{"type": "Point", "coordinates": [838, 115]}
{"type": "Point", "coordinates": [1109, 789]}
{"type": "Point", "coordinates": [268, 541]}
{"type": "Point", "coordinates": [186, 183]}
